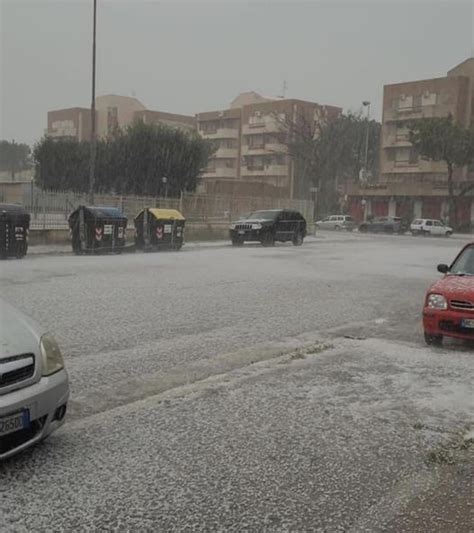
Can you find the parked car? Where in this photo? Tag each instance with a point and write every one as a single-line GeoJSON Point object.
{"type": "Point", "coordinates": [449, 303]}
{"type": "Point", "coordinates": [384, 225]}
{"type": "Point", "coordinates": [336, 222]}
{"type": "Point", "coordinates": [427, 226]}
{"type": "Point", "coordinates": [34, 388]}
{"type": "Point", "coordinates": [269, 226]}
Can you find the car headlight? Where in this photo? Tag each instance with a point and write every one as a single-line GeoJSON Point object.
{"type": "Point", "coordinates": [232, 226]}
{"type": "Point", "coordinates": [51, 354]}
{"type": "Point", "coordinates": [256, 226]}
{"type": "Point", "coordinates": [436, 301]}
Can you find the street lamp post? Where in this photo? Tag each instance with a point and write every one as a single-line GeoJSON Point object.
{"type": "Point", "coordinates": [93, 128]}
{"type": "Point", "coordinates": [366, 104]}
{"type": "Point", "coordinates": [12, 159]}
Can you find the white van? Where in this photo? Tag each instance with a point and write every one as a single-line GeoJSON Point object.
{"type": "Point", "coordinates": [428, 226]}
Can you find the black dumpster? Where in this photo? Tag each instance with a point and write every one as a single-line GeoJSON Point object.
{"type": "Point", "coordinates": [14, 226]}
{"type": "Point", "coordinates": [97, 230]}
{"type": "Point", "coordinates": [159, 229]}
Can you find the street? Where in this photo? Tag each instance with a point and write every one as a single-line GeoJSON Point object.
{"type": "Point", "coordinates": [256, 389]}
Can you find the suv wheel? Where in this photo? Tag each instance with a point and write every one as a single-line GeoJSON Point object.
{"type": "Point", "coordinates": [433, 340]}
{"type": "Point", "coordinates": [268, 239]}
{"type": "Point", "coordinates": [298, 239]}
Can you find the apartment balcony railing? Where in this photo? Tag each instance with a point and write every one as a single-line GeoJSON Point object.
{"type": "Point", "coordinates": [220, 133]}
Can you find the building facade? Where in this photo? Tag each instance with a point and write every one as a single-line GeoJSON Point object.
{"type": "Point", "coordinates": [112, 112]}
{"type": "Point", "coordinates": [408, 185]}
{"type": "Point", "coordinates": [71, 123]}
{"type": "Point", "coordinates": [252, 139]}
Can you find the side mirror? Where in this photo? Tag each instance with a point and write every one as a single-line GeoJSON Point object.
{"type": "Point", "coordinates": [444, 269]}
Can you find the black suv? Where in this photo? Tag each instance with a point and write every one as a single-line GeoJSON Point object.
{"type": "Point", "coordinates": [269, 226]}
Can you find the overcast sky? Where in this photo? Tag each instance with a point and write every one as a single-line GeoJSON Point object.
{"type": "Point", "coordinates": [193, 56]}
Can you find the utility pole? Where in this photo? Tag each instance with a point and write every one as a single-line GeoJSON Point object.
{"type": "Point", "coordinates": [366, 104]}
{"type": "Point", "coordinates": [93, 125]}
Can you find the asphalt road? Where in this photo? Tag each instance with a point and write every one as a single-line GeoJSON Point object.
{"type": "Point", "coordinates": [259, 389]}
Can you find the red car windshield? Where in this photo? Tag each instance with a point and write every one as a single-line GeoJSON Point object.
{"type": "Point", "coordinates": [464, 264]}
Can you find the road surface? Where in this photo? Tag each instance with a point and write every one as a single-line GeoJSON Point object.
{"type": "Point", "coordinates": [260, 389]}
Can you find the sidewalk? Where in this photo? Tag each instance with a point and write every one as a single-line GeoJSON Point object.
{"type": "Point", "coordinates": [61, 249]}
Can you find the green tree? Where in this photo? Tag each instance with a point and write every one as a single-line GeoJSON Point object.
{"type": "Point", "coordinates": [132, 161]}
{"type": "Point", "coordinates": [329, 153]}
{"type": "Point", "coordinates": [14, 157]}
{"type": "Point", "coordinates": [443, 139]}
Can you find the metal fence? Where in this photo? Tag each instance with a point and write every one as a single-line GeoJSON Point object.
{"type": "Point", "coordinates": [50, 210]}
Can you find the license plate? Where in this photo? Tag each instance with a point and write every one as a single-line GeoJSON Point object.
{"type": "Point", "coordinates": [241, 232]}
{"type": "Point", "coordinates": [467, 323]}
{"type": "Point", "coordinates": [12, 423]}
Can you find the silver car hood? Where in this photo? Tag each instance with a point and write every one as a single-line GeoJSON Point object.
{"type": "Point", "coordinates": [18, 333]}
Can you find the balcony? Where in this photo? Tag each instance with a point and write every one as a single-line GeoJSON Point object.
{"type": "Point", "coordinates": [219, 172]}
{"type": "Point", "coordinates": [422, 166]}
{"type": "Point", "coordinates": [265, 125]}
{"type": "Point", "coordinates": [266, 170]}
{"type": "Point", "coordinates": [396, 141]}
{"type": "Point", "coordinates": [264, 149]}
{"type": "Point", "coordinates": [221, 133]}
{"type": "Point", "coordinates": [411, 113]}
{"type": "Point", "coordinates": [226, 153]}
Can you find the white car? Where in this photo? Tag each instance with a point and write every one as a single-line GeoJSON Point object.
{"type": "Point", "coordinates": [336, 222]}
{"type": "Point", "coordinates": [428, 226]}
{"type": "Point", "coordinates": [34, 387]}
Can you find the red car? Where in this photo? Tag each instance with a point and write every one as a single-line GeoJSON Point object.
{"type": "Point", "coordinates": [449, 303]}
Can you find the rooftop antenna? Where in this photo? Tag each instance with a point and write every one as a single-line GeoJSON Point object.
{"type": "Point", "coordinates": [283, 90]}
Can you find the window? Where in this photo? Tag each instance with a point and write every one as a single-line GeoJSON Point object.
{"type": "Point", "coordinates": [429, 223]}
{"type": "Point", "coordinates": [401, 134]}
{"type": "Point", "coordinates": [209, 126]}
{"type": "Point", "coordinates": [112, 119]}
{"type": "Point", "coordinates": [228, 143]}
{"type": "Point", "coordinates": [256, 141]}
{"type": "Point", "coordinates": [406, 157]}
{"type": "Point", "coordinates": [255, 163]}
{"type": "Point", "coordinates": [465, 263]}
{"type": "Point", "coordinates": [412, 157]}
{"type": "Point", "coordinates": [417, 102]}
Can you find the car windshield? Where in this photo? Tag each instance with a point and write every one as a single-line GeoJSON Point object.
{"type": "Point", "coordinates": [263, 215]}
{"type": "Point", "coordinates": [464, 264]}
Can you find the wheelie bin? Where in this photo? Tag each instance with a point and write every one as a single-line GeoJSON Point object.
{"type": "Point", "coordinates": [14, 227]}
{"type": "Point", "coordinates": [159, 229]}
{"type": "Point", "coordinates": [97, 230]}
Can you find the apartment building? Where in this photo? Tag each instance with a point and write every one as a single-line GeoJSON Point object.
{"type": "Point", "coordinates": [112, 111]}
{"type": "Point", "coordinates": [223, 128]}
{"type": "Point", "coordinates": [409, 186]}
{"type": "Point", "coordinates": [71, 123]}
{"type": "Point", "coordinates": [403, 102]}
{"type": "Point", "coordinates": [252, 138]}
